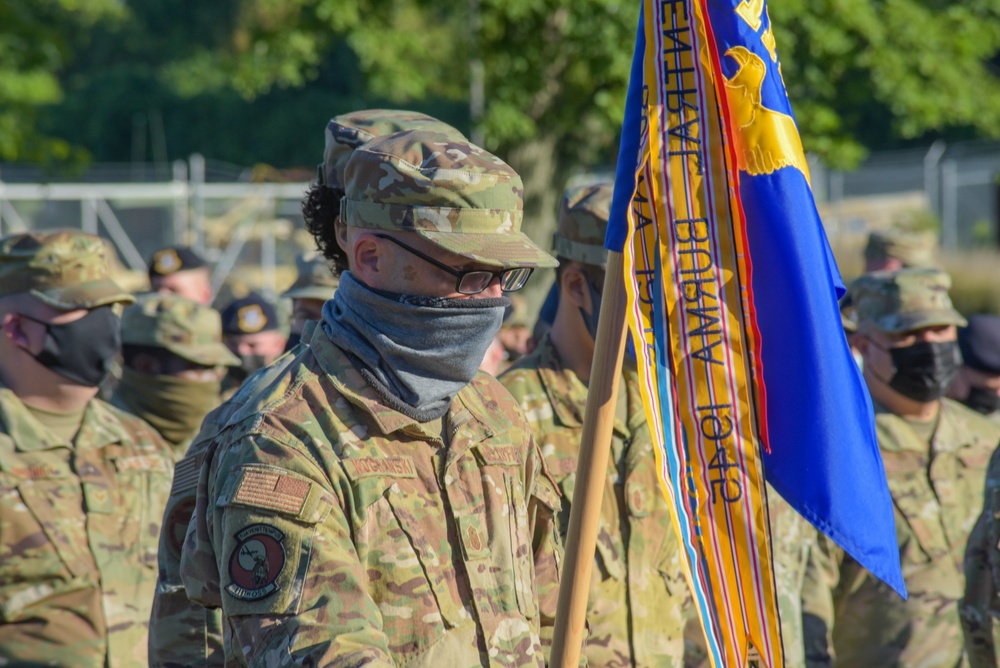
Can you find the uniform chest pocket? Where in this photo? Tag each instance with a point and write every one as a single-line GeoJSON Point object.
{"type": "Point", "coordinates": [401, 536]}
{"type": "Point", "coordinates": [503, 511]}
{"type": "Point", "coordinates": [143, 484]}
{"type": "Point", "coordinates": [45, 529]}
{"type": "Point", "coordinates": [916, 503]}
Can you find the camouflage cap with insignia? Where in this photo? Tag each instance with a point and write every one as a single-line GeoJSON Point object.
{"type": "Point", "coordinates": [914, 248]}
{"type": "Point", "coordinates": [315, 279]}
{"type": "Point", "coordinates": [450, 192]}
{"type": "Point", "coordinates": [346, 132]}
{"type": "Point", "coordinates": [904, 300]}
{"type": "Point", "coordinates": [583, 222]}
{"type": "Point", "coordinates": [185, 328]}
{"type": "Point", "coordinates": [249, 315]}
{"type": "Point", "coordinates": [66, 269]}
{"type": "Point", "coordinates": [167, 261]}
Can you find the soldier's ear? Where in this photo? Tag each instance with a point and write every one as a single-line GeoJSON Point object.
{"type": "Point", "coordinates": [367, 259]}
{"type": "Point", "coordinates": [573, 284]}
{"type": "Point", "coordinates": [13, 330]}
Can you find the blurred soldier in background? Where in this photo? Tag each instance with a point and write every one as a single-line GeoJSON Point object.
{"type": "Point", "coordinates": [409, 519]}
{"type": "Point", "coordinates": [179, 270]}
{"type": "Point", "coordinates": [934, 451]}
{"type": "Point", "coordinates": [977, 383]}
{"type": "Point", "coordinates": [314, 284]}
{"type": "Point", "coordinates": [83, 483]}
{"type": "Point", "coordinates": [637, 591]}
{"type": "Point", "coordinates": [251, 330]}
{"type": "Point", "coordinates": [173, 365]}
{"type": "Point", "coordinates": [182, 632]}
{"type": "Point", "coordinates": [896, 248]}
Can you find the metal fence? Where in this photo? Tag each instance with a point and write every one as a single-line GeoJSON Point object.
{"type": "Point", "coordinates": [235, 223]}
{"type": "Point", "coordinates": [955, 183]}
{"type": "Point", "coordinates": [231, 223]}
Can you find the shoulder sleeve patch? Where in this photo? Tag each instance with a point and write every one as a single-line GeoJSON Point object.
{"type": "Point", "coordinates": [267, 488]}
{"type": "Point", "coordinates": [186, 474]}
{"type": "Point", "coordinates": [281, 491]}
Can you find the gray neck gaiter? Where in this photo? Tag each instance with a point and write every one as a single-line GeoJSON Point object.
{"type": "Point", "coordinates": [417, 352]}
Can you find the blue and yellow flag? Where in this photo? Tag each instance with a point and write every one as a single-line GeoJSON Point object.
{"type": "Point", "coordinates": [733, 312]}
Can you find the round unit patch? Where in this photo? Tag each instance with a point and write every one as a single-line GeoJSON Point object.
{"type": "Point", "coordinates": [256, 562]}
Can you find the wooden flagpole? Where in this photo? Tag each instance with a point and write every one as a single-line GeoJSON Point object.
{"type": "Point", "coordinates": [592, 469]}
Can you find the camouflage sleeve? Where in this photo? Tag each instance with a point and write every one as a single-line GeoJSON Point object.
{"type": "Point", "coordinates": [978, 608]}
{"type": "Point", "coordinates": [980, 594]}
{"type": "Point", "coordinates": [291, 586]}
{"type": "Point", "coordinates": [543, 505]}
{"type": "Point", "coordinates": [182, 632]}
{"type": "Point", "coordinates": [822, 575]}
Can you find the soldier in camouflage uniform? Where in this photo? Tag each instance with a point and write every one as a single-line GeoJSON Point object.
{"type": "Point", "coordinates": [182, 632]}
{"type": "Point", "coordinates": [637, 590]}
{"type": "Point", "coordinates": [173, 360]}
{"type": "Point", "coordinates": [977, 384]}
{"type": "Point", "coordinates": [388, 505]}
{"type": "Point", "coordinates": [897, 248]}
{"type": "Point", "coordinates": [314, 284]}
{"type": "Point", "coordinates": [934, 451]}
{"type": "Point", "coordinates": [82, 484]}
{"type": "Point", "coordinates": [179, 270]}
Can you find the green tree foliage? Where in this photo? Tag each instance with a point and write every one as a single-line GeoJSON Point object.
{"type": "Point", "coordinates": [251, 80]}
{"type": "Point", "coordinates": [865, 74]}
{"type": "Point", "coordinates": [36, 42]}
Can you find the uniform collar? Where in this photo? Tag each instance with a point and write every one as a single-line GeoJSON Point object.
{"type": "Point", "coordinates": [568, 394]}
{"type": "Point", "coordinates": [99, 427]}
{"type": "Point", "coordinates": [468, 413]}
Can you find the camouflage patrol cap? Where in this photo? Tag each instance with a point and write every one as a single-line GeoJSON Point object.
{"type": "Point", "coordinates": [185, 328]}
{"type": "Point", "coordinates": [167, 261]}
{"type": "Point", "coordinates": [315, 279]}
{"type": "Point", "coordinates": [583, 222]}
{"type": "Point", "coordinates": [914, 248]}
{"type": "Point", "coordinates": [249, 315]}
{"type": "Point", "coordinates": [66, 269]}
{"type": "Point", "coordinates": [904, 300]}
{"type": "Point", "coordinates": [450, 192]}
{"type": "Point", "coordinates": [346, 132]}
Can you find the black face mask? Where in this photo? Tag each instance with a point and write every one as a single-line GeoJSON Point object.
{"type": "Point", "coordinates": [924, 370]}
{"type": "Point", "coordinates": [982, 400]}
{"type": "Point", "coordinates": [84, 349]}
{"type": "Point", "coordinates": [590, 320]}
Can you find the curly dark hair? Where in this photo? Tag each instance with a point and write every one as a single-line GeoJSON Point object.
{"type": "Point", "coordinates": [320, 209]}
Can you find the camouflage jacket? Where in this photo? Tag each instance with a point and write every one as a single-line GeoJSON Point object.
{"type": "Point", "coordinates": [980, 607]}
{"type": "Point", "coordinates": [182, 632]}
{"type": "Point", "coordinates": [334, 531]}
{"type": "Point", "coordinates": [637, 589]}
{"type": "Point", "coordinates": [937, 491]}
{"type": "Point", "coordinates": [80, 523]}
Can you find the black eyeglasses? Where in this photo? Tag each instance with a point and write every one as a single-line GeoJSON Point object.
{"type": "Point", "coordinates": [475, 281]}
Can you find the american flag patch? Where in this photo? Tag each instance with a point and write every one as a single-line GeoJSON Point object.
{"type": "Point", "coordinates": [186, 475]}
{"type": "Point", "coordinates": [266, 488]}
